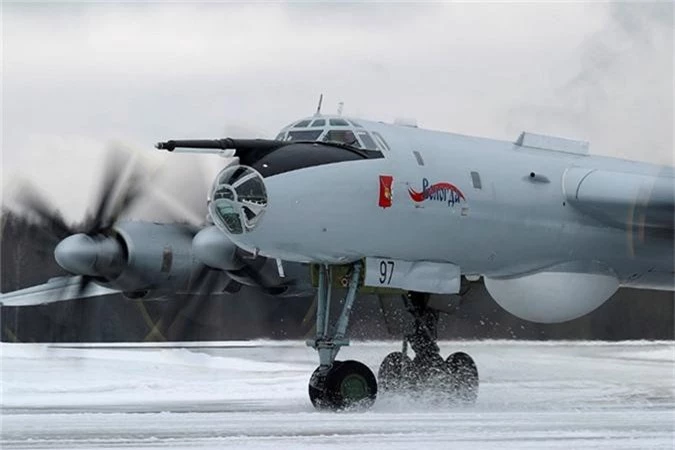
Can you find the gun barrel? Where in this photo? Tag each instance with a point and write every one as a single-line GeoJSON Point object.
{"type": "Point", "coordinates": [221, 144]}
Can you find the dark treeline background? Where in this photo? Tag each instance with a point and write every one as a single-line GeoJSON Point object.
{"type": "Point", "coordinates": [26, 259]}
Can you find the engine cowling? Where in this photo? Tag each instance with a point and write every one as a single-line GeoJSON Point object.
{"type": "Point", "coordinates": [152, 260]}
{"type": "Point", "coordinates": [556, 295]}
{"type": "Point", "coordinates": [215, 249]}
{"type": "Point", "coordinates": [158, 258]}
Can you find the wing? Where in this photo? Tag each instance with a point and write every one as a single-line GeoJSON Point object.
{"type": "Point", "coordinates": [622, 199]}
{"type": "Point", "coordinates": [55, 290]}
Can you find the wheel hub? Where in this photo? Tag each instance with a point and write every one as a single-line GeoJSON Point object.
{"type": "Point", "coordinates": [354, 387]}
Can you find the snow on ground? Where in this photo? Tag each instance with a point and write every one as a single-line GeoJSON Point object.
{"type": "Point", "coordinates": [254, 395]}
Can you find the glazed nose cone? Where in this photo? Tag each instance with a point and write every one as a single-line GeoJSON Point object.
{"type": "Point", "coordinates": [77, 254]}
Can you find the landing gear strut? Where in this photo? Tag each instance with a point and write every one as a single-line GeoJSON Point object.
{"type": "Point", "coordinates": [454, 379]}
{"type": "Point", "coordinates": [338, 384]}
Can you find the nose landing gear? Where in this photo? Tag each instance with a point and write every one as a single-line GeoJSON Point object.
{"type": "Point", "coordinates": [338, 385]}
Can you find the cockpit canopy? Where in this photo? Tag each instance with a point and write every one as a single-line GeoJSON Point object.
{"type": "Point", "coordinates": [333, 129]}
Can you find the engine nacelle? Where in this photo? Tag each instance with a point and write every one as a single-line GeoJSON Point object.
{"type": "Point", "coordinates": [158, 258]}
{"type": "Point", "coordinates": [164, 259]}
{"type": "Point", "coordinates": [213, 248]}
{"type": "Point", "coordinates": [557, 295]}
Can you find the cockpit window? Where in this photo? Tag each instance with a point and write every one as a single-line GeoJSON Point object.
{"type": "Point", "coordinates": [339, 122]}
{"type": "Point", "coordinates": [334, 129]}
{"type": "Point", "coordinates": [381, 140]}
{"type": "Point", "coordinates": [304, 135]}
{"type": "Point", "coordinates": [343, 137]}
{"type": "Point", "coordinates": [279, 137]}
{"type": "Point", "coordinates": [368, 142]}
{"type": "Point", "coordinates": [251, 190]}
{"type": "Point", "coordinates": [239, 199]}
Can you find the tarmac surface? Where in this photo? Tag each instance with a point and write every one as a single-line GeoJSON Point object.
{"type": "Point", "coordinates": [253, 394]}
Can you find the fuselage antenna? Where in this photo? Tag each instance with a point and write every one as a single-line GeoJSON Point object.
{"type": "Point", "coordinates": [318, 107]}
{"type": "Point", "coordinates": [341, 105]}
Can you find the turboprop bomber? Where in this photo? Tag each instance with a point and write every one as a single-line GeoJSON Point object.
{"type": "Point", "coordinates": [553, 230]}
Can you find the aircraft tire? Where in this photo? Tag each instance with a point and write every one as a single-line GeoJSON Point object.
{"type": "Point", "coordinates": [346, 385]}
{"type": "Point", "coordinates": [465, 377]}
{"type": "Point", "coordinates": [394, 373]}
{"type": "Point", "coordinates": [431, 373]}
{"type": "Point", "coordinates": [317, 390]}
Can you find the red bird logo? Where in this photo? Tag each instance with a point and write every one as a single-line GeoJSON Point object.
{"type": "Point", "coordinates": [444, 192]}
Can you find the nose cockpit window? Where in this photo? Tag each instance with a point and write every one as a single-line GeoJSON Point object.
{"type": "Point", "coordinates": [304, 135]}
{"type": "Point", "coordinates": [367, 140]}
{"type": "Point", "coordinates": [338, 122]}
{"type": "Point", "coordinates": [301, 124]}
{"type": "Point", "coordinates": [343, 137]}
{"type": "Point", "coordinates": [238, 199]}
{"type": "Point", "coordinates": [333, 129]}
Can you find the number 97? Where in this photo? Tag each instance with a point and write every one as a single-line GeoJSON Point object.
{"type": "Point", "coordinates": [386, 271]}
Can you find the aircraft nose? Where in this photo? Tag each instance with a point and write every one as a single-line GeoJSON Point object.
{"type": "Point", "coordinates": [238, 199]}
{"type": "Point", "coordinates": [77, 254]}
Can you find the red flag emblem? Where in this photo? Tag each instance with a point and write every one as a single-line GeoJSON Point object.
{"type": "Point", "coordinates": [385, 190]}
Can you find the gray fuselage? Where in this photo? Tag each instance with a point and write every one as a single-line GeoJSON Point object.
{"type": "Point", "coordinates": [511, 216]}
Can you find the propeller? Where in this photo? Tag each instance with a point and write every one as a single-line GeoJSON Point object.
{"type": "Point", "coordinates": [119, 188]}
{"type": "Point", "coordinates": [78, 247]}
{"type": "Point", "coordinates": [194, 306]}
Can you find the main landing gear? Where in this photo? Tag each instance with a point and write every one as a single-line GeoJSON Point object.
{"type": "Point", "coordinates": [454, 379]}
{"type": "Point", "coordinates": [337, 385]}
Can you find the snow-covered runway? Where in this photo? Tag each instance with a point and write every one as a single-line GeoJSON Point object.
{"type": "Point", "coordinates": [254, 395]}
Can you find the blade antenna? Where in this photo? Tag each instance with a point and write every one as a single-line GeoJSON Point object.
{"type": "Point", "coordinates": [318, 107]}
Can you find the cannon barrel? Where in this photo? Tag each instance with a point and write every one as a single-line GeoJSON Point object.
{"type": "Point", "coordinates": [221, 144]}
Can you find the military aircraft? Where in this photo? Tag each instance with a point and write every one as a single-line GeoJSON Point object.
{"type": "Point", "coordinates": [388, 208]}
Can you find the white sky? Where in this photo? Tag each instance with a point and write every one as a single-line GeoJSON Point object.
{"type": "Point", "coordinates": [78, 76]}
